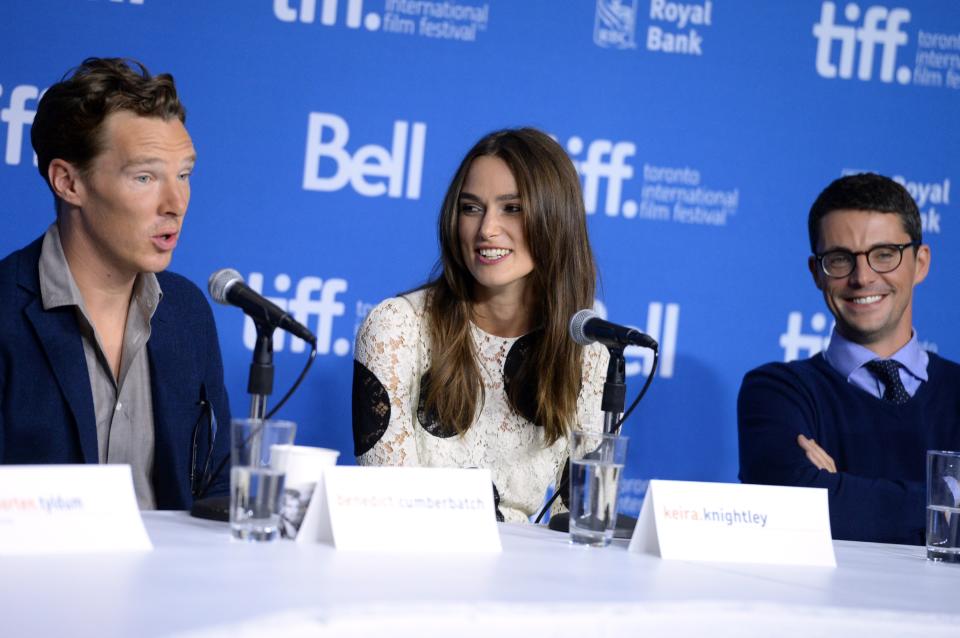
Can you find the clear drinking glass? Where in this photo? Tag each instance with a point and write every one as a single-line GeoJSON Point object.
{"type": "Point", "coordinates": [943, 506]}
{"type": "Point", "coordinates": [256, 486]}
{"type": "Point", "coordinates": [596, 462]}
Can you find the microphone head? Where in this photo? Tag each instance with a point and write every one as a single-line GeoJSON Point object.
{"type": "Point", "coordinates": [220, 282]}
{"type": "Point", "coordinates": [577, 321]}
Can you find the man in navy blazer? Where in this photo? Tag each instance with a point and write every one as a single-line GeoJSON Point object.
{"type": "Point", "coordinates": [104, 358]}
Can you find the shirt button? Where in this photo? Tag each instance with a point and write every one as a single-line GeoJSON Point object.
{"type": "Point", "coordinates": [119, 405]}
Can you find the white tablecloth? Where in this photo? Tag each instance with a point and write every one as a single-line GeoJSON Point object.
{"type": "Point", "coordinates": [198, 581]}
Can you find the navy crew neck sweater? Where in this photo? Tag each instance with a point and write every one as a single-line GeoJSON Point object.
{"type": "Point", "coordinates": [879, 490]}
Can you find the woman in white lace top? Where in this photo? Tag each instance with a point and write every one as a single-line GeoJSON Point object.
{"type": "Point", "coordinates": [476, 369]}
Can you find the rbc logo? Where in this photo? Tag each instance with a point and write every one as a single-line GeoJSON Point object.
{"type": "Point", "coordinates": [303, 306]}
{"type": "Point", "coordinates": [17, 117]}
{"type": "Point", "coordinates": [796, 344]}
{"type": "Point", "coordinates": [615, 24]}
{"type": "Point", "coordinates": [868, 36]}
{"type": "Point", "coordinates": [370, 161]}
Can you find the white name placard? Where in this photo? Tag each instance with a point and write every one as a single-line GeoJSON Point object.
{"type": "Point", "coordinates": [403, 509]}
{"type": "Point", "coordinates": [733, 523]}
{"type": "Point", "coordinates": [60, 509]}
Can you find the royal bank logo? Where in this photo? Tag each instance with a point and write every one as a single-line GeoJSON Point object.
{"type": "Point", "coordinates": [878, 29]}
{"type": "Point", "coordinates": [312, 302]}
{"type": "Point", "coordinates": [931, 197]}
{"type": "Point", "coordinates": [674, 27]}
{"type": "Point", "coordinates": [678, 27]}
{"type": "Point", "coordinates": [615, 24]}
{"type": "Point", "coordinates": [445, 20]}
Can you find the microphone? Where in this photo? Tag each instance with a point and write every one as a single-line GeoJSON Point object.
{"type": "Point", "coordinates": [227, 287]}
{"type": "Point", "coordinates": [586, 327]}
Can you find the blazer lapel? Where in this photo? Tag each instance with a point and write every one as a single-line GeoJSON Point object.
{"type": "Point", "coordinates": [168, 379]}
{"type": "Point", "coordinates": [60, 339]}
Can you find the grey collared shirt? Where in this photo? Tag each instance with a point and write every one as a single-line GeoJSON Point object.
{"type": "Point", "coordinates": [123, 405]}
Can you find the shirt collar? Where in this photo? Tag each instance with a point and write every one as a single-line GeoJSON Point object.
{"type": "Point", "coordinates": [847, 357]}
{"type": "Point", "coordinates": [58, 287]}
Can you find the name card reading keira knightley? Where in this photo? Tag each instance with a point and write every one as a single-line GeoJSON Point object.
{"type": "Point", "coordinates": [734, 523]}
{"type": "Point", "coordinates": [404, 509]}
{"type": "Point", "coordinates": [60, 509]}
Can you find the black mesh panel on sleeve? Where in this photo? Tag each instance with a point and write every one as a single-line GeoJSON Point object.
{"type": "Point", "coordinates": [371, 409]}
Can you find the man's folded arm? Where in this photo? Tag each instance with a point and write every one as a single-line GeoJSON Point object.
{"type": "Point", "coordinates": [771, 412]}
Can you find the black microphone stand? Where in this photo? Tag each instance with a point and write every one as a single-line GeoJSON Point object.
{"type": "Point", "coordinates": [611, 404]}
{"type": "Point", "coordinates": [260, 380]}
{"type": "Point", "coordinates": [259, 386]}
{"type": "Point", "coordinates": [614, 390]}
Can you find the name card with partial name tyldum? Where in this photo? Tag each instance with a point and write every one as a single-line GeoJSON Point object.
{"type": "Point", "coordinates": [403, 509]}
{"type": "Point", "coordinates": [733, 523]}
{"type": "Point", "coordinates": [64, 509]}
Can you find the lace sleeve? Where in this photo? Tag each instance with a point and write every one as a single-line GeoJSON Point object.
{"type": "Point", "coordinates": [385, 378]}
{"type": "Point", "coordinates": [589, 416]}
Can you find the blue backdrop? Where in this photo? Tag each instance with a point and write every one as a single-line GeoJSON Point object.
{"type": "Point", "coordinates": [327, 131]}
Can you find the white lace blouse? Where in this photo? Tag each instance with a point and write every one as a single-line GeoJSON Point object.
{"type": "Point", "coordinates": [392, 358]}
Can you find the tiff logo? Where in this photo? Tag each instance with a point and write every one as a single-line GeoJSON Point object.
{"type": "Point", "coordinates": [865, 38]}
{"type": "Point", "coordinates": [606, 161]}
{"type": "Point", "coordinates": [315, 312]}
{"type": "Point", "coordinates": [17, 116]}
{"type": "Point", "coordinates": [285, 12]}
{"type": "Point", "coordinates": [796, 344]}
{"type": "Point", "coordinates": [663, 322]}
{"type": "Point", "coordinates": [371, 170]}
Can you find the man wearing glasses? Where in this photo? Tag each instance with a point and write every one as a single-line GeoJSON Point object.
{"type": "Point", "coordinates": [105, 358]}
{"type": "Point", "coordinates": [858, 418]}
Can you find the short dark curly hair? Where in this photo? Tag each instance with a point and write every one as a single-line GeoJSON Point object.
{"type": "Point", "coordinates": [69, 120]}
{"type": "Point", "coordinates": [865, 191]}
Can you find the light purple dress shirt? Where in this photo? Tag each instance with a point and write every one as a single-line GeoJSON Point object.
{"type": "Point", "coordinates": [848, 359]}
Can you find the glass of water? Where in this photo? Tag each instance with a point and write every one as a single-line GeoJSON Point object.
{"type": "Point", "coordinates": [596, 462]}
{"type": "Point", "coordinates": [256, 486]}
{"type": "Point", "coordinates": [943, 506]}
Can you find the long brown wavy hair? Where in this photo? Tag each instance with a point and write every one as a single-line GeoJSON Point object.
{"type": "Point", "coordinates": [562, 282]}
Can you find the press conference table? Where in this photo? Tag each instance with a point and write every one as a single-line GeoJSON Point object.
{"type": "Point", "coordinates": [198, 582]}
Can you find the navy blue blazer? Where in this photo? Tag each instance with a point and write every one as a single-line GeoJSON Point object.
{"type": "Point", "coordinates": [46, 405]}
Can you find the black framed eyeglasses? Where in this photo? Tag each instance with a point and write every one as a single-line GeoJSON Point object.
{"type": "Point", "coordinates": [204, 431]}
{"type": "Point", "coordinates": [882, 258]}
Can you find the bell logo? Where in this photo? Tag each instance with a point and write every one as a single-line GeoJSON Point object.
{"type": "Point", "coordinates": [663, 322]}
{"type": "Point", "coordinates": [862, 40]}
{"type": "Point", "coordinates": [386, 167]}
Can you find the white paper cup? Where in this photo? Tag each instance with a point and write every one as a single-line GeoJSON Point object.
{"type": "Point", "coordinates": [303, 466]}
